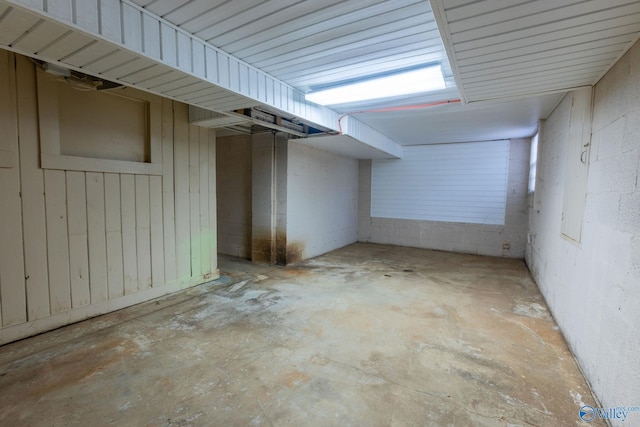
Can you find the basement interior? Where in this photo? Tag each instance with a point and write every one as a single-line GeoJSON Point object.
{"type": "Point", "coordinates": [331, 213]}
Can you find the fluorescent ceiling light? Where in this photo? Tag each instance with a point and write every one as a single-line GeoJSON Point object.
{"type": "Point", "coordinates": [405, 83]}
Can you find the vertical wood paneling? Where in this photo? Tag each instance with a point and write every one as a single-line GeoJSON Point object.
{"type": "Point", "coordinates": [211, 63]}
{"type": "Point", "coordinates": [156, 227]}
{"type": "Point", "coordinates": [132, 30]}
{"type": "Point", "coordinates": [167, 191]}
{"type": "Point", "coordinates": [57, 240]}
{"type": "Point", "coordinates": [8, 113]}
{"type": "Point", "coordinates": [87, 14]}
{"type": "Point", "coordinates": [168, 44]}
{"type": "Point", "coordinates": [223, 69]}
{"type": "Point", "coordinates": [32, 186]}
{"type": "Point", "coordinates": [129, 250]}
{"type": "Point", "coordinates": [184, 52]}
{"type": "Point", "coordinates": [91, 237]}
{"type": "Point", "coordinates": [115, 269]}
{"type": "Point", "coordinates": [194, 200]}
{"type": "Point", "coordinates": [110, 20]}
{"type": "Point", "coordinates": [60, 9]}
{"type": "Point", "coordinates": [198, 59]}
{"type": "Point", "coordinates": [181, 171]}
{"type": "Point", "coordinates": [150, 36]}
{"type": "Point", "coordinates": [13, 304]}
{"type": "Point", "coordinates": [78, 239]}
{"type": "Point", "coordinates": [143, 230]}
{"type": "Point", "coordinates": [213, 223]}
{"type": "Point", "coordinates": [205, 234]}
{"type": "Point", "coordinates": [97, 237]}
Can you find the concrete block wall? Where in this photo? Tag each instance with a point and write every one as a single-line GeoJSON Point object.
{"type": "Point", "coordinates": [234, 173]}
{"type": "Point", "coordinates": [508, 240]}
{"type": "Point", "coordinates": [322, 201]}
{"type": "Point", "coordinates": [593, 287]}
{"type": "Point", "coordinates": [263, 193]}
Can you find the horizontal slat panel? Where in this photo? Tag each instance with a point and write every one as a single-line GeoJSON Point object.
{"type": "Point", "coordinates": [610, 18]}
{"type": "Point", "coordinates": [447, 182]}
{"type": "Point", "coordinates": [610, 35]}
{"type": "Point", "coordinates": [324, 20]}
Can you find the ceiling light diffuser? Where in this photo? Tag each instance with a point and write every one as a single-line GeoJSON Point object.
{"type": "Point", "coordinates": [405, 83]}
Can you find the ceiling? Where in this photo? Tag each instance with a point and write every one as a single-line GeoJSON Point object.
{"type": "Point", "coordinates": [509, 62]}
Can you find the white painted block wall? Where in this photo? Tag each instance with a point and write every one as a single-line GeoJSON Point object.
{"type": "Point", "coordinates": [593, 287]}
{"type": "Point", "coordinates": [508, 240]}
{"type": "Point", "coordinates": [322, 200]}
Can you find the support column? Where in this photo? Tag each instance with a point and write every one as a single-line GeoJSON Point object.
{"type": "Point", "coordinates": [269, 198]}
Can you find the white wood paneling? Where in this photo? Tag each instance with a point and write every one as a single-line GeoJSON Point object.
{"type": "Point", "coordinates": [497, 49]}
{"type": "Point", "coordinates": [129, 245]}
{"type": "Point", "coordinates": [32, 191]}
{"type": "Point", "coordinates": [213, 222]}
{"type": "Point", "coordinates": [181, 192]}
{"type": "Point", "coordinates": [78, 239]}
{"type": "Point", "coordinates": [8, 116]}
{"type": "Point", "coordinates": [194, 198]}
{"type": "Point", "coordinates": [57, 240]}
{"type": "Point", "coordinates": [205, 233]}
{"type": "Point", "coordinates": [131, 44]}
{"type": "Point", "coordinates": [143, 231]}
{"type": "Point", "coordinates": [463, 182]}
{"type": "Point", "coordinates": [13, 304]}
{"type": "Point", "coordinates": [97, 241]}
{"type": "Point", "coordinates": [156, 229]}
{"type": "Point", "coordinates": [115, 268]}
{"type": "Point", "coordinates": [97, 237]}
{"type": "Point", "coordinates": [168, 191]}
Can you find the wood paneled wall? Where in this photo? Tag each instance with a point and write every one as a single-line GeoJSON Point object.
{"type": "Point", "coordinates": [75, 244]}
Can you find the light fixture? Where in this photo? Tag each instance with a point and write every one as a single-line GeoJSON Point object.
{"type": "Point", "coordinates": [404, 83]}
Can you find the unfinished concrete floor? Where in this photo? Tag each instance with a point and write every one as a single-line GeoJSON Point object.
{"type": "Point", "coordinates": [368, 335]}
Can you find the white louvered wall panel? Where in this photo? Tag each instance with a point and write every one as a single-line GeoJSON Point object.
{"type": "Point", "coordinates": [463, 182]}
{"type": "Point", "coordinates": [519, 48]}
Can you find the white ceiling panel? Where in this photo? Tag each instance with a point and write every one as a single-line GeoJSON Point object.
{"type": "Point", "coordinates": [522, 48]}
{"type": "Point", "coordinates": [312, 44]}
{"type": "Point", "coordinates": [479, 121]}
{"type": "Point", "coordinates": [510, 61]}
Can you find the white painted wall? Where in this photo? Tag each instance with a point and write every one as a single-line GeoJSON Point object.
{"type": "Point", "coordinates": [233, 169]}
{"type": "Point", "coordinates": [506, 240]}
{"type": "Point", "coordinates": [593, 287]}
{"type": "Point", "coordinates": [322, 201]}
{"type": "Point", "coordinates": [75, 244]}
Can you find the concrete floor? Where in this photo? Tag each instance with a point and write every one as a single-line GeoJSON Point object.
{"type": "Point", "coordinates": [368, 335]}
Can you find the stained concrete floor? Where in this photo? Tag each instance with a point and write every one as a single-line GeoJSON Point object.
{"type": "Point", "coordinates": [368, 335]}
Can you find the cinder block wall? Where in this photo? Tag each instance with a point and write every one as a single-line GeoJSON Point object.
{"type": "Point", "coordinates": [508, 240]}
{"type": "Point", "coordinates": [322, 201]}
{"type": "Point", "coordinates": [593, 287]}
